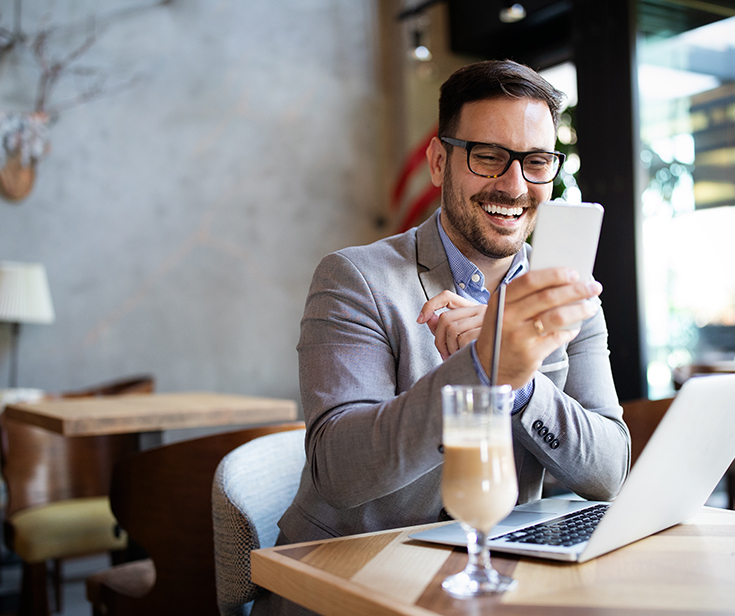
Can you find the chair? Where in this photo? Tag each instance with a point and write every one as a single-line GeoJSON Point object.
{"type": "Point", "coordinates": [253, 486]}
{"type": "Point", "coordinates": [642, 416]}
{"type": "Point", "coordinates": [682, 373]}
{"type": "Point", "coordinates": [162, 497]}
{"type": "Point", "coordinates": [57, 491]}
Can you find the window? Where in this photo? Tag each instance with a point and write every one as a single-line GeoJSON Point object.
{"type": "Point", "coordinates": [687, 119]}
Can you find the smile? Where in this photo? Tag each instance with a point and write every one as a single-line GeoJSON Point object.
{"type": "Point", "coordinates": [514, 212]}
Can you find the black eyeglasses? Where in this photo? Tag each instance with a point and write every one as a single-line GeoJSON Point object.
{"type": "Point", "coordinates": [492, 161]}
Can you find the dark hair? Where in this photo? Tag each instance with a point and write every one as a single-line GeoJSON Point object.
{"type": "Point", "coordinates": [493, 79]}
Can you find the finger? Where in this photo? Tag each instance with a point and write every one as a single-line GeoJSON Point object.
{"type": "Point", "coordinates": [570, 295]}
{"type": "Point", "coordinates": [523, 349]}
{"type": "Point", "coordinates": [460, 333]}
{"type": "Point", "coordinates": [517, 368]}
{"type": "Point", "coordinates": [443, 333]}
{"type": "Point", "coordinates": [454, 328]}
{"type": "Point", "coordinates": [444, 300]}
{"type": "Point", "coordinates": [440, 341]}
{"type": "Point", "coordinates": [567, 317]}
{"type": "Point", "coordinates": [534, 281]}
{"type": "Point", "coordinates": [433, 322]}
{"type": "Point", "coordinates": [468, 336]}
{"type": "Point", "coordinates": [553, 297]}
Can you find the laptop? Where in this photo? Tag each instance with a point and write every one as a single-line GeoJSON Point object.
{"type": "Point", "coordinates": [682, 463]}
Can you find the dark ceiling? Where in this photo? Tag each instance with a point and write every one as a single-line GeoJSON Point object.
{"type": "Point", "coordinates": [544, 37]}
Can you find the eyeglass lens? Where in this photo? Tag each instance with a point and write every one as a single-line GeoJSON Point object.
{"type": "Point", "coordinates": [492, 161]}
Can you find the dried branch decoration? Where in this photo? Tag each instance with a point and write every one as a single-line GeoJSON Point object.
{"type": "Point", "coordinates": [24, 136]}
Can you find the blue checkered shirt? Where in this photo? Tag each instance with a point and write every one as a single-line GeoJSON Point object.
{"type": "Point", "coordinates": [469, 282]}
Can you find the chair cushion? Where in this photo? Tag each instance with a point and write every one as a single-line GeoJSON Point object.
{"type": "Point", "coordinates": [133, 579]}
{"type": "Point", "coordinates": [64, 529]}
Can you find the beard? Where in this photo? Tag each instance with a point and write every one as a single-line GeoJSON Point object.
{"type": "Point", "coordinates": [466, 219]}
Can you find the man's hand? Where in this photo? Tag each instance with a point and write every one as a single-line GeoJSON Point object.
{"type": "Point", "coordinates": [538, 305]}
{"type": "Point", "coordinates": [458, 323]}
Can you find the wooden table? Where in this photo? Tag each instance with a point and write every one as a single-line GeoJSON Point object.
{"type": "Point", "coordinates": [150, 412]}
{"type": "Point", "coordinates": [688, 569]}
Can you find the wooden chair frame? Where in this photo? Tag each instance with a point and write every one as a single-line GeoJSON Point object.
{"type": "Point", "coordinates": [41, 467]}
{"type": "Point", "coordinates": [162, 498]}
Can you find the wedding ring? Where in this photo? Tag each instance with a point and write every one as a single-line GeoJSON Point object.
{"type": "Point", "coordinates": [539, 327]}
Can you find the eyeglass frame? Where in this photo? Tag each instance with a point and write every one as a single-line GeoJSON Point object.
{"type": "Point", "coordinates": [519, 156]}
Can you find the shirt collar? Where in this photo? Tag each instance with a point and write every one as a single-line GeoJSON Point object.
{"type": "Point", "coordinates": [468, 279]}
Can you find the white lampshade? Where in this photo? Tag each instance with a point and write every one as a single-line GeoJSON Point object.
{"type": "Point", "coordinates": [24, 293]}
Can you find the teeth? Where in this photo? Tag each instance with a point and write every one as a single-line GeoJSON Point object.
{"type": "Point", "coordinates": [504, 211]}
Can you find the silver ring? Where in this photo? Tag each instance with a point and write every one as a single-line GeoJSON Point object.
{"type": "Point", "coordinates": [539, 327]}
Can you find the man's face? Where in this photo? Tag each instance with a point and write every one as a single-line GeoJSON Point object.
{"type": "Point", "coordinates": [493, 216]}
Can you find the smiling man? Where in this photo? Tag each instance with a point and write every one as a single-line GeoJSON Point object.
{"type": "Point", "coordinates": [387, 325]}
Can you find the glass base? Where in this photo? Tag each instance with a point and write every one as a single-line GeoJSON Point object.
{"type": "Point", "coordinates": [464, 584]}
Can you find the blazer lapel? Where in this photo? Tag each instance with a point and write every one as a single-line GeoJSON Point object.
{"type": "Point", "coordinates": [434, 271]}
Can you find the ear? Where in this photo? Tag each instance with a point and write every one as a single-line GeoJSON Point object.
{"type": "Point", "coordinates": [437, 157]}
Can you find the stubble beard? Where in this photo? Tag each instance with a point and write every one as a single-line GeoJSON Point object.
{"type": "Point", "coordinates": [464, 219]}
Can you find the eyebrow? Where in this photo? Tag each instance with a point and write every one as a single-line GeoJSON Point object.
{"type": "Point", "coordinates": [497, 145]}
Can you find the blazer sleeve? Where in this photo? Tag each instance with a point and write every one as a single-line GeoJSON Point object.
{"type": "Point", "coordinates": [573, 424]}
{"type": "Point", "coordinates": [372, 428]}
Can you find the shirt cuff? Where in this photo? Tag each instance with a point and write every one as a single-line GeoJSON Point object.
{"type": "Point", "coordinates": [521, 396]}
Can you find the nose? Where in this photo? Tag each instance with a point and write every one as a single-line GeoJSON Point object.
{"type": "Point", "coordinates": [512, 181]}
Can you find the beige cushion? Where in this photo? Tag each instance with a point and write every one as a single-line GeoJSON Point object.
{"type": "Point", "coordinates": [64, 529]}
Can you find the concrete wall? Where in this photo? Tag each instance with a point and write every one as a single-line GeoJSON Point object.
{"type": "Point", "coordinates": [180, 219]}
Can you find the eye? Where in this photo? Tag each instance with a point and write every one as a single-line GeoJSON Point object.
{"type": "Point", "coordinates": [490, 156]}
{"type": "Point", "coordinates": [538, 161]}
{"type": "Point", "coordinates": [487, 158]}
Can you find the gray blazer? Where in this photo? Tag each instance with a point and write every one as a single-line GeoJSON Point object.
{"type": "Point", "coordinates": [370, 384]}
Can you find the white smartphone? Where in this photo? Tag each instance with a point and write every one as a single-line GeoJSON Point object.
{"type": "Point", "coordinates": [566, 235]}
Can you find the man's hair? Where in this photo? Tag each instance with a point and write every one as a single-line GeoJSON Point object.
{"type": "Point", "coordinates": [493, 79]}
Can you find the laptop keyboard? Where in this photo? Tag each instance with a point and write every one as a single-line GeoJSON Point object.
{"type": "Point", "coordinates": [565, 531]}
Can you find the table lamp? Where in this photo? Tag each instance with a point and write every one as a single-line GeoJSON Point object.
{"type": "Point", "coordinates": [24, 298]}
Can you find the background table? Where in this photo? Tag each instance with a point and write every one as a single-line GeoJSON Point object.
{"type": "Point", "coordinates": [150, 412]}
{"type": "Point", "coordinates": [688, 569]}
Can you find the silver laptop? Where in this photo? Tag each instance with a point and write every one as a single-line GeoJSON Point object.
{"type": "Point", "coordinates": [678, 470]}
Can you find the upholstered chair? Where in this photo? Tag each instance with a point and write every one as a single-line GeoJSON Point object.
{"type": "Point", "coordinates": [253, 486]}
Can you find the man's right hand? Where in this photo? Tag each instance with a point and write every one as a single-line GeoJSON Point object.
{"type": "Point", "coordinates": [538, 307]}
{"type": "Point", "coordinates": [454, 321]}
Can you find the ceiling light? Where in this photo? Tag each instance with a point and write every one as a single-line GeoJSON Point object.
{"type": "Point", "coordinates": [512, 14]}
{"type": "Point", "coordinates": [419, 51]}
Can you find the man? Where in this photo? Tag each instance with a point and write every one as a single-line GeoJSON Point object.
{"type": "Point", "coordinates": [387, 325]}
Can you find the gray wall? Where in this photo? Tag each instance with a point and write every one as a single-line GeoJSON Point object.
{"type": "Point", "coordinates": [180, 219]}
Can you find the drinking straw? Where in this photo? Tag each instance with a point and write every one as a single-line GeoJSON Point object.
{"type": "Point", "coordinates": [498, 335]}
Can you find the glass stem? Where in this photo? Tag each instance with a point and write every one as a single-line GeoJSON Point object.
{"type": "Point", "coordinates": [478, 552]}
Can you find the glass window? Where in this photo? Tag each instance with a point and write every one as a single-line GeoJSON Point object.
{"type": "Point", "coordinates": [564, 77]}
{"type": "Point", "coordinates": [687, 119]}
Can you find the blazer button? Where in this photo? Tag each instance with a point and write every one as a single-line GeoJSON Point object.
{"type": "Point", "coordinates": [441, 448]}
{"type": "Point", "coordinates": [543, 431]}
{"type": "Point", "coordinates": [549, 437]}
{"type": "Point", "coordinates": [554, 444]}
{"type": "Point", "coordinates": [537, 424]}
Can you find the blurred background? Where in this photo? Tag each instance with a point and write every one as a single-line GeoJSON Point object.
{"type": "Point", "coordinates": [187, 163]}
{"type": "Point", "coordinates": [171, 173]}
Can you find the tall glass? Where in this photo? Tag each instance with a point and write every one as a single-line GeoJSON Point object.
{"type": "Point", "coordinates": [479, 485]}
